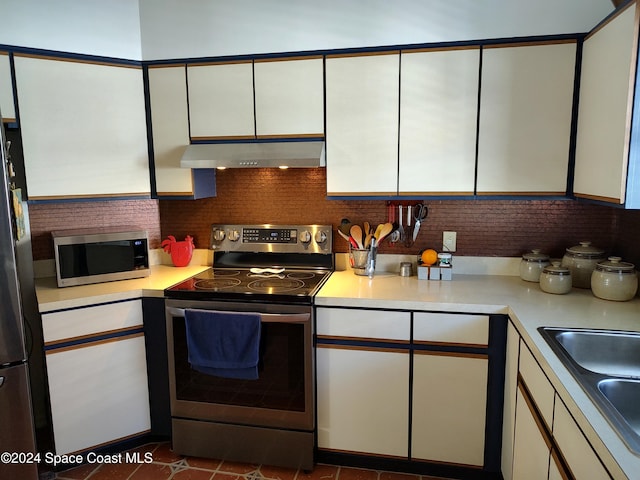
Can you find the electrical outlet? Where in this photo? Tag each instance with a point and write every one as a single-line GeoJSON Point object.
{"type": "Point", "coordinates": [448, 241]}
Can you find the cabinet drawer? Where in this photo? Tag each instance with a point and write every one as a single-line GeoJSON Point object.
{"type": "Point", "coordinates": [91, 320]}
{"type": "Point", "coordinates": [537, 383]}
{"type": "Point", "coordinates": [364, 324]}
{"type": "Point", "coordinates": [451, 328]}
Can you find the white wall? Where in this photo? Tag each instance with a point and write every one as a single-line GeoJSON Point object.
{"type": "Point", "coordinates": [164, 29]}
{"type": "Point", "coordinates": [201, 28]}
{"type": "Point", "coordinates": [109, 28]}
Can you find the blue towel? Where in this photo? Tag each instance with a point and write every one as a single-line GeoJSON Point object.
{"type": "Point", "coordinates": [222, 343]}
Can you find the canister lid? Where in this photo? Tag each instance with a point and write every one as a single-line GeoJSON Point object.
{"type": "Point", "coordinates": [556, 269]}
{"type": "Point", "coordinates": [616, 265]}
{"type": "Point", "coordinates": [585, 250]}
{"type": "Point", "coordinates": [535, 256]}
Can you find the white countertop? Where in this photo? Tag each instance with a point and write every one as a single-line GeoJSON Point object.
{"type": "Point", "coordinates": [524, 302]}
{"type": "Point", "coordinates": [50, 297]}
{"type": "Point", "coordinates": [529, 308]}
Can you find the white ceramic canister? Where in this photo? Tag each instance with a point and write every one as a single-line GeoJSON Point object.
{"type": "Point", "coordinates": [582, 260]}
{"type": "Point", "coordinates": [615, 280]}
{"type": "Point", "coordinates": [532, 264]}
{"type": "Point", "coordinates": [555, 279]}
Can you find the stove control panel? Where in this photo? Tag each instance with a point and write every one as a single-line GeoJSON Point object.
{"type": "Point", "coordinates": [272, 238]}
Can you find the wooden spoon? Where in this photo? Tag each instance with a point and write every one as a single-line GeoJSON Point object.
{"type": "Point", "coordinates": [356, 233]}
{"type": "Point", "coordinates": [384, 231]}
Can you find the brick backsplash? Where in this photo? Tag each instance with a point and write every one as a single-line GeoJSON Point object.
{"type": "Point", "coordinates": [484, 227]}
{"type": "Point", "coordinates": [47, 217]}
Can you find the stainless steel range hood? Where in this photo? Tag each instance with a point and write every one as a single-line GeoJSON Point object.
{"type": "Point", "coordinates": [254, 155]}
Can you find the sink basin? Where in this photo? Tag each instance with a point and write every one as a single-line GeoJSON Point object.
{"type": "Point", "coordinates": [606, 364]}
{"type": "Point", "coordinates": [609, 353]}
{"type": "Point", "coordinates": [623, 395]}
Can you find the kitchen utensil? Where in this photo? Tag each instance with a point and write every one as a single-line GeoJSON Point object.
{"type": "Point", "coordinates": [385, 230]}
{"type": "Point", "coordinates": [532, 264]}
{"type": "Point", "coordinates": [614, 280]}
{"type": "Point", "coordinates": [368, 234]}
{"type": "Point", "coordinates": [582, 260]}
{"type": "Point", "coordinates": [356, 233]}
{"type": "Point", "coordinates": [556, 279]}
{"type": "Point", "coordinates": [420, 212]}
{"type": "Point", "coordinates": [400, 226]}
{"type": "Point", "coordinates": [345, 227]}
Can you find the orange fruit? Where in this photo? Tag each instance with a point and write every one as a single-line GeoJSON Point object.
{"type": "Point", "coordinates": [429, 256]}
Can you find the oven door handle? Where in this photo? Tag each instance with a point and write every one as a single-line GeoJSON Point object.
{"type": "Point", "coordinates": [264, 317]}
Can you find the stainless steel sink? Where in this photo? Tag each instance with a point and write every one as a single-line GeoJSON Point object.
{"type": "Point", "coordinates": [609, 353]}
{"type": "Point", "coordinates": [606, 364]}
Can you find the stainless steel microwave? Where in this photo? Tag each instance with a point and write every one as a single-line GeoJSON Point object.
{"type": "Point", "coordinates": [100, 255]}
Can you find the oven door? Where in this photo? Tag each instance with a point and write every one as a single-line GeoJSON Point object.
{"type": "Point", "coordinates": [282, 396]}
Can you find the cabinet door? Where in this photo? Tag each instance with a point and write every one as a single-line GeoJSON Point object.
{"type": "Point", "coordinates": [221, 101]}
{"type": "Point", "coordinates": [541, 390]}
{"type": "Point", "coordinates": [608, 60]}
{"type": "Point", "coordinates": [289, 98]}
{"type": "Point", "coordinates": [510, 390]}
{"type": "Point", "coordinates": [438, 121]}
{"type": "Point", "coordinates": [83, 128]}
{"type": "Point", "coordinates": [580, 457]}
{"type": "Point", "coordinates": [98, 393]}
{"type": "Point", "coordinates": [531, 448]}
{"type": "Point", "coordinates": [362, 124]}
{"type": "Point", "coordinates": [170, 127]}
{"type": "Point", "coordinates": [363, 401]}
{"type": "Point", "coordinates": [525, 119]}
{"type": "Point", "coordinates": [449, 407]}
{"type": "Point", "coordinates": [451, 328]}
{"type": "Point", "coordinates": [7, 105]}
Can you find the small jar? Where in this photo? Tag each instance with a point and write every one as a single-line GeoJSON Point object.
{"type": "Point", "coordinates": [555, 279]}
{"type": "Point", "coordinates": [405, 269]}
{"type": "Point", "coordinates": [532, 264]}
{"type": "Point", "coordinates": [582, 260]}
{"type": "Point", "coordinates": [614, 280]}
{"type": "Point", "coordinates": [444, 259]}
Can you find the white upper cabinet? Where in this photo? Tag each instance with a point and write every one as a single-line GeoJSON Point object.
{"type": "Point", "coordinates": [289, 97]}
{"type": "Point", "coordinates": [83, 128]}
{"type": "Point", "coordinates": [526, 102]}
{"type": "Point", "coordinates": [7, 106]}
{"type": "Point", "coordinates": [438, 118]}
{"type": "Point", "coordinates": [362, 124]}
{"type": "Point", "coordinates": [288, 93]}
{"type": "Point", "coordinates": [170, 127]}
{"type": "Point", "coordinates": [221, 100]}
{"type": "Point", "coordinates": [605, 168]}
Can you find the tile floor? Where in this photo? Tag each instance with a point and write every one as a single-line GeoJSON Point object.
{"type": "Point", "coordinates": [167, 465]}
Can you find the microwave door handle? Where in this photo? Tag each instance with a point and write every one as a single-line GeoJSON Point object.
{"type": "Point", "coordinates": [265, 317]}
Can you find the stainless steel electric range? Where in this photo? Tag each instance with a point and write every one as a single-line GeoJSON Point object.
{"type": "Point", "coordinates": [272, 271]}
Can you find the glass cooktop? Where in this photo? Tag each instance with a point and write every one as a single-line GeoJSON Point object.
{"type": "Point", "coordinates": [256, 284]}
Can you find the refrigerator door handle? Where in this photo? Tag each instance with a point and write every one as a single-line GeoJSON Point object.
{"type": "Point", "coordinates": [1, 381]}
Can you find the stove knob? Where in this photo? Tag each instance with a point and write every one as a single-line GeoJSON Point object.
{"type": "Point", "coordinates": [233, 235]}
{"type": "Point", "coordinates": [218, 235]}
{"type": "Point", "coordinates": [320, 237]}
{"type": "Point", "coordinates": [305, 236]}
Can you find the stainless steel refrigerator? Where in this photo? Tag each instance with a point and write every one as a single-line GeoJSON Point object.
{"type": "Point", "coordinates": [16, 418]}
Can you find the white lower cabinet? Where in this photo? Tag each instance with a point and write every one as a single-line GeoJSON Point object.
{"type": "Point", "coordinates": [580, 458]}
{"type": "Point", "coordinates": [450, 398]}
{"type": "Point", "coordinates": [530, 447]}
{"type": "Point", "coordinates": [363, 401]}
{"type": "Point", "coordinates": [547, 442]}
{"type": "Point", "coordinates": [406, 385]}
{"type": "Point", "coordinates": [97, 378]}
